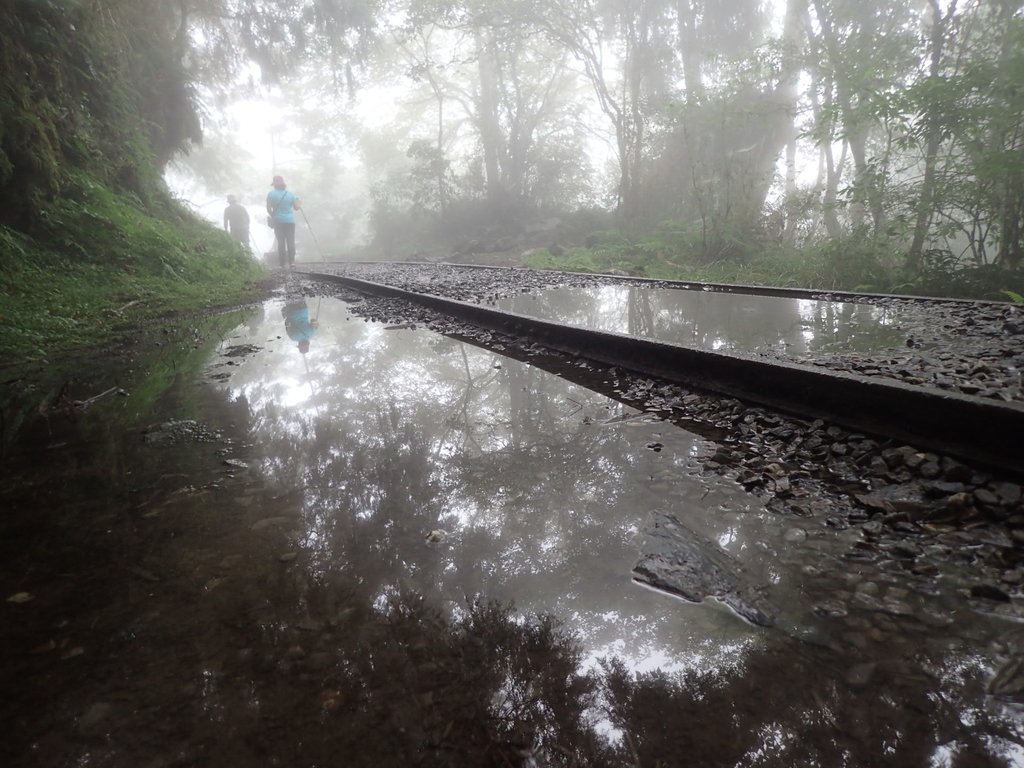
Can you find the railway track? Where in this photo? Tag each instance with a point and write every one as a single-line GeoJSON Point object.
{"type": "Point", "coordinates": [980, 430]}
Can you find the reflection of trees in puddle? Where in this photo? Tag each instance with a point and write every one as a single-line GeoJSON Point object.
{"type": "Point", "coordinates": [414, 434]}
{"type": "Point", "coordinates": [403, 684]}
{"type": "Point", "coordinates": [720, 321]}
{"type": "Point", "coordinates": [783, 708]}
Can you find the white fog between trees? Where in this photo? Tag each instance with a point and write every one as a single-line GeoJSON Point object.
{"type": "Point", "coordinates": [894, 128]}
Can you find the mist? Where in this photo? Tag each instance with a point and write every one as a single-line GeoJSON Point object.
{"type": "Point", "coordinates": [721, 130]}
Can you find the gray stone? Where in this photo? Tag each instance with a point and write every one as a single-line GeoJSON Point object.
{"type": "Point", "coordinates": [677, 560]}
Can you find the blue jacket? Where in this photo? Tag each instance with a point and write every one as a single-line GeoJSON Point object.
{"type": "Point", "coordinates": [282, 203]}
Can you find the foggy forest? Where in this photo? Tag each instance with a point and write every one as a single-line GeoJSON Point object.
{"type": "Point", "coordinates": [512, 383]}
{"type": "Point", "coordinates": [826, 143]}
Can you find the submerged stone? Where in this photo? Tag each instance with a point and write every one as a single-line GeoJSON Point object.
{"type": "Point", "coordinates": [679, 561]}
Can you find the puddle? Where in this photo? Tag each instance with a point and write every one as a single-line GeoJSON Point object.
{"type": "Point", "coordinates": [721, 321]}
{"type": "Point", "coordinates": [329, 537]}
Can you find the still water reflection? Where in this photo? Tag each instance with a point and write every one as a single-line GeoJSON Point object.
{"type": "Point", "coordinates": [537, 489]}
{"type": "Point", "coordinates": [720, 321]}
{"type": "Point", "coordinates": [431, 465]}
{"type": "Point", "coordinates": [305, 577]}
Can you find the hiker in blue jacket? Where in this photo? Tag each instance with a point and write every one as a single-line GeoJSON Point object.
{"type": "Point", "coordinates": [281, 207]}
{"type": "Point", "coordinates": [297, 323]}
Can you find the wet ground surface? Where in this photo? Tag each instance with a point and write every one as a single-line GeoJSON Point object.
{"type": "Point", "coordinates": [409, 543]}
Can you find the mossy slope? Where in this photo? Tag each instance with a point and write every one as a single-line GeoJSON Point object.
{"type": "Point", "coordinates": [94, 99]}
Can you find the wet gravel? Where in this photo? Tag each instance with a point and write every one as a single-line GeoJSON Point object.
{"type": "Point", "coordinates": [967, 347]}
{"type": "Point", "coordinates": [915, 511]}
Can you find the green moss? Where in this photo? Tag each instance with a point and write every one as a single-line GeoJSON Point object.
{"type": "Point", "coordinates": [100, 265]}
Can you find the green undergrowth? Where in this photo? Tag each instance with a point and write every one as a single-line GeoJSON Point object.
{"type": "Point", "coordinates": [100, 266]}
{"type": "Point", "coordinates": [848, 265]}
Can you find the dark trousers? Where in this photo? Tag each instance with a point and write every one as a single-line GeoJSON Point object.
{"type": "Point", "coordinates": [285, 242]}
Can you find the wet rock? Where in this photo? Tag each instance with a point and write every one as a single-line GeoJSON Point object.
{"type": "Point", "coordinates": [831, 608]}
{"type": "Point", "coordinates": [724, 455]}
{"type": "Point", "coordinates": [989, 592]}
{"type": "Point", "coordinates": [1008, 682]}
{"type": "Point", "coordinates": [142, 573]}
{"type": "Point", "coordinates": [318, 661]}
{"type": "Point", "coordinates": [677, 560]}
{"type": "Point", "coordinates": [913, 460]}
{"type": "Point", "coordinates": [924, 569]}
{"type": "Point", "coordinates": [229, 561]}
{"type": "Point", "coordinates": [955, 472]}
{"type": "Point", "coordinates": [985, 497]}
{"type": "Point", "coordinates": [893, 457]}
{"type": "Point", "coordinates": [903, 550]}
{"type": "Point", "coordinates": [47, 647]}
{"type": "Point", "coordinates": [939, 489]}
{"type": "Point", "coordinates": [897, 607]}
{"type": "Point", "coordinates": [878, 466]}
{"type": "Point", "coordinates": [795, 535]}
{"type": "Point", "coordinates": [872, 528]}
{"type": "Point", "coordinates": [857, 639]}
{"type": "Point", "coordinates": [867, 588]}
{"type": "Point", "coordinates": [1008, 494]}
{"type": "Point", "coordinates": [958, 501]}
{"type": "Point", "coordinates": [869, 601]}
{"type": "Point", "coordinates": [1013, 577]}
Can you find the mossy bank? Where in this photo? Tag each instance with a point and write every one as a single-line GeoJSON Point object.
{"type": "Point", "coordinates": [103, 267]}
{"type": "Point", "coordinates": [94, 101]}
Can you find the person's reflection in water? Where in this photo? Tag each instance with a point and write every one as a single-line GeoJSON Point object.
{"type": "Point", "coordinates": [297, 323]}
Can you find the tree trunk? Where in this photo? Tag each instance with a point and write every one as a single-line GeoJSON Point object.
{"type": "Point", "coordinates": [933, 140]}
{"type": "Point", "coordinates": [487, 115]}
{"type": "Point", "coordinates": [855, 132]}
{"type": "Point", "coordinates": [689, 50]}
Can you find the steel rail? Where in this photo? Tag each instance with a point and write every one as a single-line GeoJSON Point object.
{"type": "Point", "coordinates": [810, 294]}
{"type": "Point", "coordinates": [977, 430]}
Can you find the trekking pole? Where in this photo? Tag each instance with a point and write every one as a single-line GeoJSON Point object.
{"type": "Point", "coordinates": [313, 235]}
{"type": "Point", "coordinates": [255, 246]}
